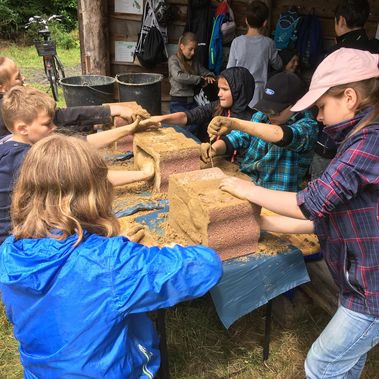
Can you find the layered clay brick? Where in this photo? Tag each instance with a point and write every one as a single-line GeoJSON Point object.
{"type": "Point", "coordinates": [171, 151]}
{"type": "Point", "coordinates": [205, 215]}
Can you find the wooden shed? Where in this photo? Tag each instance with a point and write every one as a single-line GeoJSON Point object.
{"type": "Point", "coordinates": [109, 30]}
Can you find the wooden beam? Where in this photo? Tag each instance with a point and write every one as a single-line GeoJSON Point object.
{"type": "Point", "coordinates": [94, 36]}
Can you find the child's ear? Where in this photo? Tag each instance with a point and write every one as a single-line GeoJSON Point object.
{"type": "Point", "coordinates": [20, 127]}
{"type": "Point", "coordinates": [265, 24]}
{"type": "Point", "coordinates": [352, 99]}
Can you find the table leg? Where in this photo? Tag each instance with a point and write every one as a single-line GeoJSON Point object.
{"type": "Point", "coordinates": [266, 340]}
{"type": "Point", "coordinates": [164, 372]}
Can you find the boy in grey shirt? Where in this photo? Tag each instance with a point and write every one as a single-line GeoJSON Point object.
{"type": "Point", "coordinates": [253, 50]}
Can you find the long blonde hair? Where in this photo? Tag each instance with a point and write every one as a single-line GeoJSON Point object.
{"type": "Point", "coordinates": [368, 96]}
{"type": "Point", "coordinates": [185, 39]}
{"type": "Point", "coordinates": [62, 190]}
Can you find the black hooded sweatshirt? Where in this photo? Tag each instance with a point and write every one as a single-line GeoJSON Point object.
{"type": "Point", "coordinates": [242, 85]}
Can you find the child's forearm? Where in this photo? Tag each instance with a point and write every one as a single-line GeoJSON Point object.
{"type": "Point", "coordinates": [282, 224]}
{"type": "Point", "coordinates": [105, 138]}
{"type": "Point", "coordinates": [219, 147]}
{"type": "Point", "coordinates": [122, 177]}
{"type": "Point", "coordinates": [178, 118]}
{"type": "Point", "coordinates": [267, 132]}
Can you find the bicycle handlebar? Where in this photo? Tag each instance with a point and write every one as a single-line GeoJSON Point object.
{"type": "Point", "coordinates": [41, 21]}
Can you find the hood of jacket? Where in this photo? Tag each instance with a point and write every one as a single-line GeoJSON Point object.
{"type": "Point", "coordinates": [22, 268]}
{"type": "Point", "coordinates": [242, 85]}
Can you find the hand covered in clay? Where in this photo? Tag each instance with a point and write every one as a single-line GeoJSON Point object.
{"type": "Point", "coordinates": [237, 187]}
{"type": "Point", "coordinates": [151, 123]}
{"type": "Point", "coordinates": [219, 126]}
{"type": "Point", "coordinates": [124, 114]}
{"type": "Point", "coordinates": [206, 152]}
{"type": "Point", "coordinates": [135, 233]}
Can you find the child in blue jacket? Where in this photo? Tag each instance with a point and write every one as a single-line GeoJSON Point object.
{"type": "Point", "coordinates": [76, 292]}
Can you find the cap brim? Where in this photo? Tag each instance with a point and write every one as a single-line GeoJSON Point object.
{"type": "Point", "coordinates": [308, 99]}
{"type": "Point", "coordinates": [269, 107]}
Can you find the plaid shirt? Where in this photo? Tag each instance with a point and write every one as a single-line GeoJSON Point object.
{"type": "Point", "coordinates": [344, 205]}
{"type": "Point", "coordinates": [274, 167]}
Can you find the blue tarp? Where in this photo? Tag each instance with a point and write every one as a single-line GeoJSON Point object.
{"type": "Point", "coordinates": [248, 282]}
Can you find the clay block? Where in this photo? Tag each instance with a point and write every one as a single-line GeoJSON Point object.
{"type": "Point", "coordinates": [171, 151]}
{"type": "Point", "coordinates": [205, 215]}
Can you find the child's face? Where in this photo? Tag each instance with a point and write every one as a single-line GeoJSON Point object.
{"type": "Point", "coordinates": [282, 117]}
{"type": "Point", "coordinates": [224, 93]}
{"type": "Point", "coordinates": [40, 128]}
{"type": "Point", "coordinates": [189, 49]}
{"type": "Point", "coordinates": [292, 65]}
{"type": "Point", "coordinates": [16, 79]}
{"type": "Point", "coordinates": [333, 110]}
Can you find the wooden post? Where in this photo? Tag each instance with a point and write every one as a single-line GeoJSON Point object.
{"type": "Point", "coordinates": [94, 38]}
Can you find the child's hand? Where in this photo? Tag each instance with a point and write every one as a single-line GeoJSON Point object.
{"type": "Point", "coordinates": [219, 126]}
{"type": "Point", "coordinates": [237, 187]}
{"type": "Point", "coordinates": [125, 115]}
{"type": "Point", "coordinates": [136, 233]}
{"type": "Point", "coordinates": [150, 123]}
{"type": "Point", "coordinates": [209, 79]}
{"type": "Point", "coordinates": [206, 152]}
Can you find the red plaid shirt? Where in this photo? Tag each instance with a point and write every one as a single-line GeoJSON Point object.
{"type": "Point", "coordinates": [344, 205]}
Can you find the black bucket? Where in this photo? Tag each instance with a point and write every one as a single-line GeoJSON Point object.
{"type": "Point", "coordinates": [144, 88]}
{"type": "Point", "coordinates": [88, 90]}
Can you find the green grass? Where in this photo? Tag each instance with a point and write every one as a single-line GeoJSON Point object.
{"type": "Point", "coordinates": [31, 65]}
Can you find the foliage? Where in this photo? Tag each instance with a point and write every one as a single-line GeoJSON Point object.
{"type": "Point", "coordinates": [16, 14]}
{"type": "Point", "coordinates": [9, 20]}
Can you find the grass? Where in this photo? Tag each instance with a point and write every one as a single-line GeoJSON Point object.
{"type": "Point", "coordinates": [199, 346]}
{"type": "Point", "coordinates": [31, 65]}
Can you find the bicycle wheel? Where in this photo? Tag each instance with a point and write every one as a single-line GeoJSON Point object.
{"type": "Point", "coordinates": [51, 73]}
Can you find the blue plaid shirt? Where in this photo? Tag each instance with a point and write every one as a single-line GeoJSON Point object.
{"type": "Point", "coordinates": [274, 167]}
{"type": "Point", "coordinates": [344, 205]}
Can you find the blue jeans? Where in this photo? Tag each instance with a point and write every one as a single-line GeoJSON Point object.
{"type": "Point", "coordinates": [341, 349]}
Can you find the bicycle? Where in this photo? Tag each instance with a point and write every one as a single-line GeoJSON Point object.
{"type": "Point", "coordinates": [46, 48]}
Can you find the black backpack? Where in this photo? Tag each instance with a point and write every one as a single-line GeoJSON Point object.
{"type": "Point", "coordinates": [151, 47]}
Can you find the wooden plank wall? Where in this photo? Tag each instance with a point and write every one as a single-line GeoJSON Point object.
{"type": "Point", "coordinates": [125, 27]}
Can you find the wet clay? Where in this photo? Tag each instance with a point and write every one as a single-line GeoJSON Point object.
{"type": "Point", "coordinates": [206, 215]}
{"type": "Point", "coordinates": [171, 152]}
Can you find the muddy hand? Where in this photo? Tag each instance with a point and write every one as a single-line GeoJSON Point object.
{"type": "Point", "coordinates": [219, 126]}
{"type": "Point", "coordinates": [135, 233]}
{"type": "Point", "coordinates": [150, 123]}
{"type": "Point", "coordinates": [141, 113]}
{"type": "Point", "coordinates": [206, 152]}
{"type": "Point", "coordinates": [237, 187]}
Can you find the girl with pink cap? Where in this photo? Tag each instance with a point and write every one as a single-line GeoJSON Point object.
{"type": "Point", "coordinates": [341, 207]}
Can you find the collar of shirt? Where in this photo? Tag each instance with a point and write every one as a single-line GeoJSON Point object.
{"type": "Point", "coordinates": [354, 35]}
{"type": "Point", "coordinates": [339, 131]}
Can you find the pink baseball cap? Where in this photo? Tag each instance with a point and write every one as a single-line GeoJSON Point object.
{"type": "Point", "coordinates": [341, 67]}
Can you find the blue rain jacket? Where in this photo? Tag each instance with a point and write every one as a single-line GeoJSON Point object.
{"type": "Point", "coordinates": [79, 312]}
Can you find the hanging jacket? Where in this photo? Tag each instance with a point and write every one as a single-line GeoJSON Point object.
{"type": "Point", "coordinates": [80, 311]}
{"type": "Point", "coordinates": [215, 45]}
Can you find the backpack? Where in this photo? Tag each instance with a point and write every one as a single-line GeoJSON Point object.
{"type": "Point", "coordinates": [285, 33]}
{"type": "Point", "coordinates": [151, 46]}
{"type": "Point", "coordinates": [228, 26]}
{"type": "Point", "coordinates": [309, 41]}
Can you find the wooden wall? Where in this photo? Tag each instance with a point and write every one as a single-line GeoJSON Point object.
{"type": "Point", "coordinates": [125, 27]}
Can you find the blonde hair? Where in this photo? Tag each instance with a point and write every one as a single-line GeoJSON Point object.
{"type": "Point", "coordinates": [62, 190]}
{"type": "Point", "coordinates": [368, 96]}
{"type": "Point", "coordinates": [185, 39]}
{"type": "Point", "coordinates": [24, 104]}
{"type": "Point", "coordinates": [5, 75]}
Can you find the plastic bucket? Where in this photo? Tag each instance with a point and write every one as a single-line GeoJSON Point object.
{"type": "Point", "coordinates": [88, 90]}
{"type": "Point", "coordinates": [144, 88]}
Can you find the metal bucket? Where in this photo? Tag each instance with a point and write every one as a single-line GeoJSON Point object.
{"type": "Point", "coordinates": [144, 88]}
{"type": "Point", "coordinates": [88, 90]}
